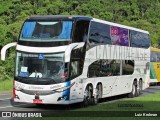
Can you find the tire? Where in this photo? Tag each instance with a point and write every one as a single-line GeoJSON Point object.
{"type": "Point", "coordinates": [98, 94]}
{"type": "Point", "coordinates": [133, 93]}
{"type": "Point", "coordinates": [140, 87]}
{"type": "Point", "coordinates": [88, 96]}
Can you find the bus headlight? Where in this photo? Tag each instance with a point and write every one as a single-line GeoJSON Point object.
{"type": "Point", "coordinates": [64, 88]}
{"type": "Point", "coordinates": [18, 87]}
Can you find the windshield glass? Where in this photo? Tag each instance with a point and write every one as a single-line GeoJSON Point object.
{"type": "Point", "coordinates": [40, 67]}
{"type": "Point", "coordinates": [46, 31]}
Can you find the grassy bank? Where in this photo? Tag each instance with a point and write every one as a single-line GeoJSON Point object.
{"type": "Point", "coordinates": [6, 85]}
{"type": "Point", "coordinates": [145, 104]}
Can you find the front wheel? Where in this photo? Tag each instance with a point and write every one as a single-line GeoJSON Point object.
{"type": "Point", "coordinates": [87, 96]}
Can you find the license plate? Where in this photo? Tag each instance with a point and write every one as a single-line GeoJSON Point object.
{"type": "Point", "coordinates": [35, 101]}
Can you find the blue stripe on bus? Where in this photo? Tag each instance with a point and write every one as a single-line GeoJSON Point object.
{"type": "Point", "coordinates": [66, 93]}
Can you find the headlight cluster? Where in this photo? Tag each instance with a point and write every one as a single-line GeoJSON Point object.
{"type": "Point", "coordinates": [18, 86]}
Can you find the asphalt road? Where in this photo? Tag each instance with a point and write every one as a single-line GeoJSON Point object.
{"type": "Point", "coordinates": [7, 104]}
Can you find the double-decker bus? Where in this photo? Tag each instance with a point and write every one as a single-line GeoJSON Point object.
{"type": "Point", "coordinates": [70, 59]}
{"type": "Point", "coordinates": [155, 66]}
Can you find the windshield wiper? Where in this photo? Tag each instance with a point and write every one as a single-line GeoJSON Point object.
{"type": "Point", "coordinates": [45, 80]}
{"type": "Point", "coordinates": [36, 80]}
{"type": "Point", "coordinates": [51, 80]}
{"type": "Point", "coordinates": [20, 77]}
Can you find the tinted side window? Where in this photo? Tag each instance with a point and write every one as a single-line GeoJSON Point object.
{"type": "Point", "coordinates": [99, 33]}
{"type": "Point", "coordinates": [140, 40]}
{"type": "Point", "coordinates": [127, 67]}
{"type": "Point", "coordinates": [81, 31]}
{"type": "Point", "coordinates": [103, 68]}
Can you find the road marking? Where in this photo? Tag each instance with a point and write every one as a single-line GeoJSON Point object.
{"type": "Point", "coordinates": [4, 99]}
{"type": "Point", "coordinates": [13, 106]}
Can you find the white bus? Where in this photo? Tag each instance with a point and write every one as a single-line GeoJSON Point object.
{"type": "Point", "coordinates": [70, 59]}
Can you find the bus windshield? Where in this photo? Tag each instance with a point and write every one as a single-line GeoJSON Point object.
{"type": "Point", "coordinates": [46, 31]}
{"type": "Point", "coordinates": [40, 67]}
{"type": "Point", "coordinates": [155, 56]}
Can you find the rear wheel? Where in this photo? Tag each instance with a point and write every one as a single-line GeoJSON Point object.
{"type": "Point", "coordinates": [98, 94]}
{"type": "Point", "coordinates": [140, 86]}
{"type": "Point", "coordinates": [133, 93]}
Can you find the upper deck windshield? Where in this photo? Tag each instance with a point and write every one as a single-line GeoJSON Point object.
{"type": "Point", "coordinates": [40, 67]}
{"type": "Point", "coordinates": [46, 31]}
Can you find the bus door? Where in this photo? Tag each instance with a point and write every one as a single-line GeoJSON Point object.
{"type": "Point", "coordinates": [76, 69]}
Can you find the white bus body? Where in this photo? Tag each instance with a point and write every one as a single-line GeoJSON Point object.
{"type": "Point", "coordinates": [107, 69]}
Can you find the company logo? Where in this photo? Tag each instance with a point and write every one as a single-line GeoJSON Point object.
{"type": "Point", "coordinates": [35, 88]}
{"type": "Point", "coordinates": [6, 114]}
{"type": "Point", "coordinates": [20, 114]}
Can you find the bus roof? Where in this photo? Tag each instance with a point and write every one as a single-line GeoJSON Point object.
{"type": "Point", "coordinates": [51, 17]}
{"type": "Point", "coordinates": [155, 49]}
{"type": "Point", "coordinates": [71, 17]}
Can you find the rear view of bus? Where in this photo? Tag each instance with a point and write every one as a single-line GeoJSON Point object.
{"type": "Point", "coordinates": [155, 66]}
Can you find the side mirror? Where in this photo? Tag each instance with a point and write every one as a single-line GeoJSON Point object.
{"type": "Point", "coordinates": [5, 48]}
{"type": "Point", "coordinates": [0, 50]}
